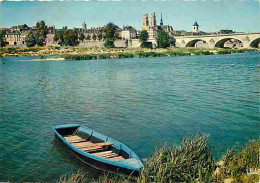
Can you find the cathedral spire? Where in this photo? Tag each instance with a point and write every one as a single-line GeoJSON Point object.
{"type": "Point", "coordinates": [161, 23]}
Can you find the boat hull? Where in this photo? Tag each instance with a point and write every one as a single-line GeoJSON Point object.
{"type": "Point", "coordinates": [98, 165]}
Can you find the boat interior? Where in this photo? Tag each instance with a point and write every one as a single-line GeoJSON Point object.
{"type": "Point", "coordinates": [91, 144]}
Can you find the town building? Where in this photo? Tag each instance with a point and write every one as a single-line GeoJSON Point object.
{"type": "Point", "coordinates": [128, 32]}
{"type": "Point", "coordinates": [50, 36]}
{"type": "Point", "coordinates": [13, 38]}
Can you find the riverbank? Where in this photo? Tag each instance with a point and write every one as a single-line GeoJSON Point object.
{"type": "Point", "coordinates": [78, 53]}
{"type": "Point", "coordinates": [192, 161]}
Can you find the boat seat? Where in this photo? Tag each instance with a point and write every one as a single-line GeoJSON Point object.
{"type": "Point", "coordinates": [77, 141]}
{"type": "Point", "coordinates": [111, 155]}
{"type": "Point", "coordinates": [118, 158]}
{"type": "Point", "coordinates": [74, 139]}
{"type": "Point", "coordinates": [91, 144]}
{"type": "Point", "coordinates": [82, 144]}
{"type": "Point", "coordinates": [104, 144]}
{"type": "Point", "coordinates": [92, 149]}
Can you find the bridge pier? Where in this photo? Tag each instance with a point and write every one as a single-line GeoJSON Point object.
{"type": "Point", "coordinates": [246, 44]}
{"type": "Point", "coordinates": [211, 45]}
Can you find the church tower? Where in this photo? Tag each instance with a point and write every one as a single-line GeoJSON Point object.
{"type": "Point", "coordinates": [145, 20]}
{"type": "Point", "coordinates": [195, 27]}
{"type": "Point", "coordinates": [153, 20]}
{"type": "Point", "coordinates": [145, 25]}
{"type": "Point", "coordinates": [161, 22]}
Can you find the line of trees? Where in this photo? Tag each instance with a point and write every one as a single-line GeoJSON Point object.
{"type": "Point", "coordinates": [64, 36]}
{"type": "Point", "coordinates": [70, 37]}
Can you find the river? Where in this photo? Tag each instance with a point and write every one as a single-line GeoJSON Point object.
{"type": "Point", "coordinates": [141, 102]}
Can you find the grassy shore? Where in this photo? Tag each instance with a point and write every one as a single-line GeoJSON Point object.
{"type": "Point", "coordinates": [78, 53]}
{"type": "Point", "coordinates": [192, 161]}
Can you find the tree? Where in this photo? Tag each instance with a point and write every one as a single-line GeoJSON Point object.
{"type": "Point", "coordinates": [100, 35]}
{"type": "Point", "coordinates": [30, 39]}
{"type": "Point", "coordinates": [2, 38]}
{"type": "Point", "coordinates": [143, 37]}
{"type": "Point", "coordinates": [81, 37]}
{"type": "Point", "coordinates": [70, 37]}
{"type": "Point", "coordinates": [162, 39]}
{"type": "Point", "coordinates": [109, 30]}
{"type": "Point", "coordinates": [172, 41]}
{"type": "Point", "coordinates": [59, 35]}
{"type": "Point", "coordinates": [94, 37]}
{"type": "Point", "coordinates": [41, 30]}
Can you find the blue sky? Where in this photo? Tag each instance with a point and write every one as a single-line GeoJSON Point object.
{"type": "Point", "coordinates": [212, 15]}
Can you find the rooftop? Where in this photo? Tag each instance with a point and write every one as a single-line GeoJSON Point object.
{"type": "Point", "coordinates": [196, 24]}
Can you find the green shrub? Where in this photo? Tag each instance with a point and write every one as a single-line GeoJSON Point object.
{"type": "Point", "coordinates": [104, 56]}
{"type": "Point", "coordinates": [10, 50]}
{"type": "Point", "coordinates": [125, 55]}
{"type": "Point", "coordinates": [146, 45]}
{"type": "Point", "coordinates": [151, 54]}
{"type": "Point", "coordinates": [79, 57]}
{"type": "Point", "coordinates": [109, 43]}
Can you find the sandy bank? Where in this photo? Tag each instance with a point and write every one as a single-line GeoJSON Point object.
{"type": "Point", "coordinates": [49, 59]}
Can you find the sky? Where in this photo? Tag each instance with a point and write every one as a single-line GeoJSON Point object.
{"type": "Point", "coordinates": [211, 15]}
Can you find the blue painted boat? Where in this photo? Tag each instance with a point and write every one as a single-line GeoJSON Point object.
{"type": "Point", "coordinates": [97, 150]}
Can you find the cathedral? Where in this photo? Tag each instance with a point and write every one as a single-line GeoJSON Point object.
{"type": "Point", "coordinates": [151, 26]}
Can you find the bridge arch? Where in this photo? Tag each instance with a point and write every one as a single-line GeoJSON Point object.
{"type": "Point", "coordinates": [255, 43]}
{"type": "Point", "coordinates": [193, 42]}
{"type": "Point", "coordinates": [221, 43]}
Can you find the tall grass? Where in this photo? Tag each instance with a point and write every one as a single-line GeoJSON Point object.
{"type": "Point", "coordinates": [81, 177]}
{"type": "Point", "coordinates": [238, 162]}
{"type": "Point", "coordinates": [193, 160]}
{"type": "Point", "coordinates": [77, 177]}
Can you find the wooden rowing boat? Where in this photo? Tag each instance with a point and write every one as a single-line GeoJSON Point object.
{"type": "Point", "coordinates": [97, 150]}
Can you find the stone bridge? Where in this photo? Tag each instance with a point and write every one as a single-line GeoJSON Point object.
{"type": "Point", "coordinates": [248, 40]}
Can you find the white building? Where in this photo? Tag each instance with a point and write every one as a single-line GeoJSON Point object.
{"type": "Point", "coordinates": [195, 28]}
{"type": "Point", "coordinates": [128, 32]}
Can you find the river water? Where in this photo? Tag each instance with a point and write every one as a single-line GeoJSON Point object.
{"type": "Point", "coordinates": [141, 102]}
